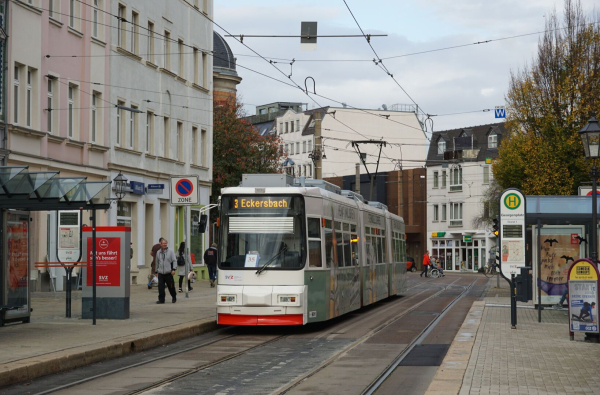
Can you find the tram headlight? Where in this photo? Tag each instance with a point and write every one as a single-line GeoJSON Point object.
{"type": "Point", "coordinates": [227, 298]}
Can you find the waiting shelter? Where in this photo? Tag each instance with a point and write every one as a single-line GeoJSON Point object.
{"type": "Point", "coordinates": [21, 192]}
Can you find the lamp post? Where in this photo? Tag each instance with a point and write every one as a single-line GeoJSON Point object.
{"type": "Point", "coordinates": [590, 136]}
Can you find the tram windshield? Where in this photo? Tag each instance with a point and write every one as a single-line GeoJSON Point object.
{"type": "Point", "coordinates": [257, 230]}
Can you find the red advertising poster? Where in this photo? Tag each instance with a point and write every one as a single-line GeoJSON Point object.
{"type": "Point", "coordinates": [17, 260]}
{"type": "Point", "coordinates": [108, 262]}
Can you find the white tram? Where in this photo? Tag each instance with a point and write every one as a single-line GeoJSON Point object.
{"type": "Point", "coordinates": [291, 253]}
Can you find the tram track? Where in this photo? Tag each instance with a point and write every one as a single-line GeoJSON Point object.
{"type": "Point", "coordinates": [285, 389]}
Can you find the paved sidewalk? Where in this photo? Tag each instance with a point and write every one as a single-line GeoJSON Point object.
{"type": "Point", "coordinates": [53, 343]}
{"type": "Point", "coordinates": [535, 358]}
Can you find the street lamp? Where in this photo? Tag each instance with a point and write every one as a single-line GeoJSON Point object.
{"type": "Point", "coordinates": [590, 136]}
{"type": "Point", "coordinates": [120, 185]}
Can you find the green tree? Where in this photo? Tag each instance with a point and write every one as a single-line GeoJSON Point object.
{"type": "Point", "coordinates": [238, 149]}
{"type": "Point", "coordinates": [548, 103]}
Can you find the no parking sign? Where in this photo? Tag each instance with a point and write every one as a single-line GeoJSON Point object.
{"type": "Point", "coordinates": [184, 190]}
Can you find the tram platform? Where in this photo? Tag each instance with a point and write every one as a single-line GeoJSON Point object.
{"type": "Point", "coordinates": [52, 343]}
{"type": "Point", "coordinates": [488, 357]}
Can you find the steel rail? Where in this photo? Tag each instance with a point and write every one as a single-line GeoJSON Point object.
{"type": "Point", "coordinates": [375, 384]}
{"type": "Point", "coordinates": [284, 389]}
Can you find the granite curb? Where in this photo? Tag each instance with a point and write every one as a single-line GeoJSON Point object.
{"type": "Point", "coordinates": [64, 360]}
{"type": "Point", "coordinates": [449, 376]}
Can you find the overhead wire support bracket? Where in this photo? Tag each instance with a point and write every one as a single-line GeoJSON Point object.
{"type": "Point", "coordinates": [242, 36]}
{"type": "Point", "coordinates": [372, 178]}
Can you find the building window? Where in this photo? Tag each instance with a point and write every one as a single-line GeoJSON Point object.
{"type": "Point", "coordinates": [149, 132]}
{"type": "Point", "coordinates": [151, 41]}
{"type": "Point", "coordinates": [50, 99]}
{"type": "Point", "coordinates": [95, 19]}
{"type": "Point", "coordinates": [287, 130]}
{"type": "Point", "coordinates": [435, 179]}
{"type": "Point", "coordinates": [203, 148]}
{"type": "Point", "coordinates": [456, 214]}
{"type": "Point", "coordinates": [443, 212]}
{"type": "Point", "coordinates": [181, 62]}
{"type": "Point", "coordinates": [167, 50]}
{"type": "Point", "coordinates": [179, 153]}
{"type": "Point", "coordinates": [29, 98]}
{"type": "Point", "coordinates": [486, 174]}
{"type": "Point", "coordinates": [309, 145]}
{"type": "Point", "coordinates": [51, 8]}
{"type": "Point", "coordinates": [443, 178]}
{"type": "Point", "coordinates": [304, 147]}
{"type": "Point", "coordinates": [166, 142]}
{"type": "Point", "coordinates": [456, 179]}
{"type": "Point", "coordinates": [297, 125]}
{"type": "Point", "coordinates": [204, 70]}
{"type": "Point", "coordinates": [72, 13]}
{"type": "Point", "coordinates": [121, 32]}
{"type": "Point", "coordinates": [16, 95]}
{"type": "Point", "coordinates": [309, 170]}
{"type": "Point", "coordinates": [298, 147]}
{"type": "Point", "coordinates": [133, 128]}
{"type": "Point", "coordinates": [292, 149]}
{"type": "Point", "coordinates": [135, 29]}
{"type": "Point", "coordinates": [493, 140]}
{"type": "Point", "coordinates": [120, 121]}
{"type": "Point", "coordinates": [196, 69]}
{"type": "Point", "coordinates": [194, 160]}
{"type": "Point", "coordinates": [441, 146]}
{"type": "Point", "coordinates": [436, 212]}
{"type": "Point", "coordinates": [71, 100]}
{"type": "Point", "coordinates": [94, 117]}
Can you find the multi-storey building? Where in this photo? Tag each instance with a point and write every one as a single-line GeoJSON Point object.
{"type": "Point", "coordinates": [458, 173]}
{"type": "Point", "coordinates": [58, 93]}
{"type": "Point", "coordinates": [161, 84]}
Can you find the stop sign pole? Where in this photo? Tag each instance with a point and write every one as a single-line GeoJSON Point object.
{"type": "Point", "coordinates": [184, 192]}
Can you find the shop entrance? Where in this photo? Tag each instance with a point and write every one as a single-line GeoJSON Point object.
{"type": "Point", "coordinates": [456, 255]}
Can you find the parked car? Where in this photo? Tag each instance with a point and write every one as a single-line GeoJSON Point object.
{"type": "Point", "coordinates": [410, 265]}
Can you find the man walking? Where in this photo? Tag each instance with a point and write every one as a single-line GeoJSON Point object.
{"type": "Point", "coordinates": [165, 267]}
{"type": "Point", "coordinates": [426, 263]}
{"type": "Point", "coordinates": [210, 259]}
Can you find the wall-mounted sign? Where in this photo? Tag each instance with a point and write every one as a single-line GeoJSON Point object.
{"type": "Point", "coordinates": [512, 231]}
{"type": "Point", "coordinates": [156, 189]}
{"type": "Point", "coordinates": [137, 187]}
{"type": "Point", "coordinates": [467, 238]}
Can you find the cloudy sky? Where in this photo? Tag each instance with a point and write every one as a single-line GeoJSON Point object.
{"type": "Point", "coordinates": [456, 80]}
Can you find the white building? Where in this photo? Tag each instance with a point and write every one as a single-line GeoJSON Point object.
{"type": "Point", "coordinates": [401, 130]}
{"type": "Point", "coordinates": [161, 79]}
{"type": "Point", "coordinates": [457, 177]}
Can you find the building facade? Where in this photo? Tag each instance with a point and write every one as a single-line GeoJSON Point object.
{"type": "Point", "coordinates": [458, 173]}
{"type": "Point", "coordinates": [56, 106]}
{"type": "Point", "coordinates": [161, 123]}
{"type": "Point", "coordinates": [225, 76]}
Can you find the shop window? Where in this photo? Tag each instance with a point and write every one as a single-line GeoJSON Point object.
{"type": "Point", "coordinates": [124, 210]}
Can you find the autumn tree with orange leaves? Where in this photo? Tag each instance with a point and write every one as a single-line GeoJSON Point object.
{"type": "Point", "coordinates": [548, 103]}
{"type": "Point", "coordinates": [238, 148]}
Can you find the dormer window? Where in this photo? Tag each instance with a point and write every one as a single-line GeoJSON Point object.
{"type": "Point", "coordinates": [441, 146]}
{"type": "Point", "coordinates": [493, 140]}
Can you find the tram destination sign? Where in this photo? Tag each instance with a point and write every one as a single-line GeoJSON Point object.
{"type": "Point", "coordinates": [261, 202]}
{"type": "Point", "coordinates": [512, 231]}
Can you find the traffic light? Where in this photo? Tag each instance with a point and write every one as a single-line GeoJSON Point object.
{"type": "Point", "coordinates": [495, 228]}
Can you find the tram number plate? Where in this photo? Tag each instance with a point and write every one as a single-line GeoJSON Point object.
{"type": "Point", "coordinates": [312, 314]}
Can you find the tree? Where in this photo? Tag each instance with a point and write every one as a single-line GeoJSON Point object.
{"type": "Point", "coordinates": [238, 149]}
{"type": "Point", "coordinates": [548, 103]}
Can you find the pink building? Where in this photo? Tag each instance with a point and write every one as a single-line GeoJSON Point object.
{"type": "Point", "coordinates": [58, 110]}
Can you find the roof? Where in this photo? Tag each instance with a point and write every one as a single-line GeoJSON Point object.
{"type": "Point", "coordinates": [223, 56]}
{"type": "Point", "coordinates": [309, 127]}
{"type": "Point", "coordinates": [461, 138]}
{"type": "Point", "coordinates": [264, 128]}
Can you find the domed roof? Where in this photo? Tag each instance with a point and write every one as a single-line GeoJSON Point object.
{"type": "Point", "coordinates": [223, 57]}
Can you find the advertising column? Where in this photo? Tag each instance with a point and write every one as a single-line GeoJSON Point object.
{"type": "Point", "coordinates": [17, 268]}
{"type": "Point", "coordinates": [583, 297]}
{"type": "Point", "coordinates": [112, 272]}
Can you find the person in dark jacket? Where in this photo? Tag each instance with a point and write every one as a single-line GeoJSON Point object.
{"type": "Point", "coordinates": [210, 259]}
{"type": "Point", "coordinates": [165, 268]}
{"type": "Point", "coordinates": [181, 258]}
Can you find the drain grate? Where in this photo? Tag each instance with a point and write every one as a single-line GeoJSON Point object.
{"type": "Point", "coordinates": [426, 355]}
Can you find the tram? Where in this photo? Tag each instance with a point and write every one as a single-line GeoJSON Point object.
{"type": "Point", "coordinates": [299, 251]}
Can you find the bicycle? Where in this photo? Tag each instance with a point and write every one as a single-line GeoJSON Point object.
{"type": "Point", "coordinates": [490, 270]}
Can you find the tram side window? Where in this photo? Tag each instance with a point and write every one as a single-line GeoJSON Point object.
{"type": "Point", "coordinates": [347, 252]}
{"type": "Point", "coordinates": [354, 246]}
{"type": "Point", "coordinates": [314, 228]}
{"type": "Point", "coordinates": [328, 246]}
{"type": "Point", "coordinates": [339, 244]}
{"type": "Point", "coordinates": [383, 247]}
{"type": "Point", "coordinates": [314, 253]}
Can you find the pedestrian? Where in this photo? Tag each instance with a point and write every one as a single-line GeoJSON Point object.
{"type": "Point", "coordinates": [181, 264]}
{"type": "Point", "coordinates": [165, 268]}
{"type": "Point", "coordinates": [210, 259]}
{"type": "Point", "coordinates": [155, 248]}
{"type": "Point", "coordinates": [426, 263]}
{"type": "Point", "coordinates": [564, 297]}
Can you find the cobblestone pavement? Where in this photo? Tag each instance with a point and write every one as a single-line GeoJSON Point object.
{"type": "Point", "coordinates": [535, 358]}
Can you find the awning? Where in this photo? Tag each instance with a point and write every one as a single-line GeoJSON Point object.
{"type": "Point", "coordinates": [42, 191]}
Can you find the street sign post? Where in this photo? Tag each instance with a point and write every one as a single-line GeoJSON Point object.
{"type": "Point", "coordinates": [184, 191]}
{"type": "Point", "coordinates": [500, 112]}
{"type": "Point", "coordinates": [583, 297]}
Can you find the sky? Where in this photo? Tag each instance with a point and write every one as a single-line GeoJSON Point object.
{"type": "Point", "coordinates": [471, 78]}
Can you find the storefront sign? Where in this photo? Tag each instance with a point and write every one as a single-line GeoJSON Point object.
{"type": "Point", "coordinates": [512, 231]}
{"type": "Point", "coordinates": [438, 234]}
{"type": "Point", "coordinates": [467, 238]}
{"type": "Point", "coordinates": [583, 297]}
{"type": "Point", "coordinates": [137, 187]}
{"type": "Point", "coordinates": [108, 262]}
{"type": "Point", "coordinates": [156, 189]}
